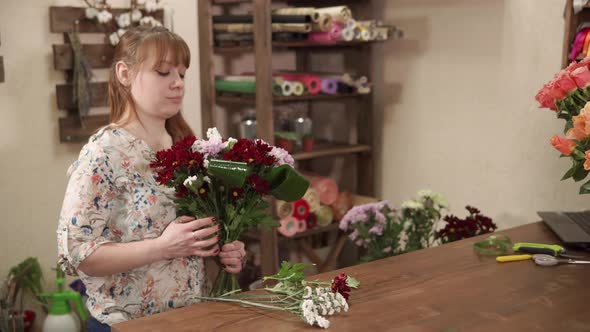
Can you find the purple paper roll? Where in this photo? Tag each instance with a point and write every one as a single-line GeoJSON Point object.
{"type": "Point", "coordinates": [329, 86]}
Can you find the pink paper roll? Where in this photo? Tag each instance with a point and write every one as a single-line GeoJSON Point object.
{"type": "Point", "coordinates": [336, 31]}
{"type": "Point", "coordinates": [321, 37]}
{"type": "Point", "coordinates": [301, 226]}
{"type": "Point", "coordinates": [289, 226]}
{"type": "Point", "coordinates": [326, 188]}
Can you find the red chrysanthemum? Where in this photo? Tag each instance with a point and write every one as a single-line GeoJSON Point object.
{"type": "Point", "coordinates": [179, 156]}
{"type": "Point", "coordinates": [236, 193]}
{"type": "Point", "coordinates": [339, 285]}
{"type": "Point", "coordinates": [250, 152]}
{"type": "Point", "coordinates": [259, 184]}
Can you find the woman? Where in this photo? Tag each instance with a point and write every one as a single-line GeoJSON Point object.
{"type": "Point", "coordinates": [118, 229]}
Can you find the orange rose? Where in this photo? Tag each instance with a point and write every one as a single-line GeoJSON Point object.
{"type": "Point", "coordinates": [565, 146]}
{"type": "Point", "coordinates": [587, 161]}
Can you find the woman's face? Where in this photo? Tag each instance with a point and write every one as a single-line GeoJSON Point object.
{"type": "Point", "coordinates": [158, 90]}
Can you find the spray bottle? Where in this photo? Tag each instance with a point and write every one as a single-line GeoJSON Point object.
{"type": "Point", "coordinates": [60, 317]}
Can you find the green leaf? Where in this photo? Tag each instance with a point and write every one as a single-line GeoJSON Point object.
{"type": "Point", "coordinates": [579, 172]}
{"type": "Point", "coordinates": [585, 188]}
{"type": "Point", "coordinates": [569, 173]}
{"type": "Point", "coordinates": [268, 222]}
{"type": "Point", "coordinates": [286, 184]}
{"type": "Point", "coordinates": [352, 282]}
{"type": "Point", "coordinates": [289, 274]}
{"type": "Point", "coordinates": [231, 173]}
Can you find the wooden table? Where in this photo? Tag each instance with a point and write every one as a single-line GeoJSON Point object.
{"type": "Point", "coordinates": [447, 288]}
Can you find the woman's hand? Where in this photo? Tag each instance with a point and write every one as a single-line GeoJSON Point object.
{"type": "Point", "coordinates": [233, 256]}
{"type": "Point", "coordinates": [187, 236]}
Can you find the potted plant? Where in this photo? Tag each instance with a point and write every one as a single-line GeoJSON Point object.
{"type": "Point", "coordinates": [286, 140]}
{"type": "Point", "coordinates": [308, 142]}
{"type": "Point", "coordinates": [22, 278]}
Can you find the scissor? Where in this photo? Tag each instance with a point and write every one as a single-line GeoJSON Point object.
{"type": "Point", "coordinates": [548, 260]}
{"type": "Point", "coordinates": [539, 248]}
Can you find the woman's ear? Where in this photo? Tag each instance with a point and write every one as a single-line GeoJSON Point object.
{"type": "Point", "coordinates": [123, 73]}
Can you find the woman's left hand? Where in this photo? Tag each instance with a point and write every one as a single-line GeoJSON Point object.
{"type": "Point", "coordinates": [233, 256]}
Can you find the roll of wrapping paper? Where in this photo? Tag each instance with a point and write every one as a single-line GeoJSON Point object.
{"type": "Point", "coordinates": [338, 13]}
{"type": "Point", "coordinates": [329, 86]}
{"type": "Point", "coordinates": [347, 34]}
{"type": "Point", "coordinates": [301, 225]}
{"type": "Point", "coordinates": [284, 209]}
{"type": "Point", "coordinates": [324, 216]}
{"type": "Point", "coordinates": [311, 82]}
{"type": "Point", "coordinates": [342, 205]}
{"type": "Point", "coordinates": [288, 36]}
{"type": "Point", "coordinates": [298, 88]}
{"type": "Point", "coordinates": [313, 199]}
{"type": "Point", "coordinates": [287, 88]}
{"type": "Point", "coordinates": [312, 12]}
{"type": "Point", "coordinates": [249, 28]}
{"type": "Point", "coordinates": [233, 36]}
{"type": "Point", "coordinates": [311, 220]}
{"type": "Point", "coordinates": [336, 30]}
{"type": "Point", "coordinates": [235, 86]}
{"type": "Point", "coordinates": [300, 209]}
{"type": "Point", "coordinates": [361, 80]}
{"type": "Point", "coordinates": [350, 24]}
{"type": "Point", "coordinates": [326, 188]}
{"type": "Point", "coordinates": [323, 24]}
{"type": "Point", "coordinates": [277, 88]}
{"type": "Point", "coordinates": [289, 226]}
{"type": "Point", "coordinates": [274, 19]}
{"type": "Point", "coordinates": [321, 37]}
{"type": "Point", "coordinates": [345, 88]}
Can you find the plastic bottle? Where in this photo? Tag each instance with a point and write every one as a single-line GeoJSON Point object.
{"type": "Point", "coordinates": [60, 317]}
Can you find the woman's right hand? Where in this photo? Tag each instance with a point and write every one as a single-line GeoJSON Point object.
{"type": "Point", "coordinates": [187, 236]}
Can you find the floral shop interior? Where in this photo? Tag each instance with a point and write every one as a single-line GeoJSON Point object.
{"type": "Point", "coordinates": [221, 165]}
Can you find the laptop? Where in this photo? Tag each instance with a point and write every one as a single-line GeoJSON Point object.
{"type": "Point", "coordinates": [573, 228]}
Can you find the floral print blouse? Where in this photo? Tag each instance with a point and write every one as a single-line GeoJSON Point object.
{"type": "Point", "coordinates": [112, 196]}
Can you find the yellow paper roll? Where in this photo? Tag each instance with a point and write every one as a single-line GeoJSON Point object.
{"type": "Point", "coordinates": [315, 16]}
{"type": "Point", "coordinates": [325, 216]}
{"type": "Point", "coordinates": [324, 23]}
{"type": "Point", "coordinates": [298, 88]}
{"type": "Point", "coordinates": [338, 13]}
{"type": "Point", "coordinates": [313, 199]}
{"type": "Point", "coordinates": [284, 209]}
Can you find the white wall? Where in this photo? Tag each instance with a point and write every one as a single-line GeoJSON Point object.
{"type": "Point", "coordinates": [33, 162]}
{"type": "Point", "coordinates": [466, 122]}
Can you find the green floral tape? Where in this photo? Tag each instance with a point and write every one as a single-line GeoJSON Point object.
{"type": "Point", "coordinates": [494, 245]}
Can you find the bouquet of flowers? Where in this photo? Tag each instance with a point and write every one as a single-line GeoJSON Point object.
{"type": "Point", "coordinates": [312, 301]}
{"type": "Point", "coordinates": [474, 224]}
{"type": "Point", "coordinates": [229, 180]}
{"type": "Point", "coordinates": [567, 94]}
{"type": "Point", "coordinates": [382, 231]}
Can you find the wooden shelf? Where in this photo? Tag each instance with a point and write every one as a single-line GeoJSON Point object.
{"type": "Point", "coordinates": [250, 99]}
{"type": "Point", "coordinates": [326, 150]}
{"type": "Point", "coordinates": [277, 45]}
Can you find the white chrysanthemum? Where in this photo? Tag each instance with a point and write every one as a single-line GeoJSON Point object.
{"type": "Point", "coordinates": [207, 179]}
{"type": "Point", "coordinates": [136, 15]}
{"type": "Point", "coordinates": [206, 163]}
{"type": "Point", "coordinates": [104, 16]}
{"type": "Point", "coordinates": [322, 322]}
{"type": "Point", "coordinates": [151, 6]}
{"type": "Point", "coordinates": [412, 205]}
{"type": "Point", "coordinates": [189, 181]}
{"type": "Point", "coordinates": [425, 193]}
{"type": "Point", "coordinates": [307, 292]}
{"type": "Point", "coordinates": [114, 38]}
{"type": "Point", "coordinates": [124, 20]}
{"type": "Point", "coordinates": [91, 12]}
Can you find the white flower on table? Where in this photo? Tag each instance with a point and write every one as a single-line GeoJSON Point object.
{"type": "Point", "coordinates": [120, 32]}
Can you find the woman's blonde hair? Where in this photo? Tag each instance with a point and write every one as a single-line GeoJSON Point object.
{"type": "Point", "coordinates": [134, 49]}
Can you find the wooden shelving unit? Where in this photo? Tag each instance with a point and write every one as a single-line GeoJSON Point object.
{"type": "Point", "coordinates": [572, 21]}
{"type": "Point", "coordinates": [359, 105]}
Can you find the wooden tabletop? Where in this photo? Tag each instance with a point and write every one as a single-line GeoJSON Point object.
{"type": "Point", "coordinates": [447, 288]}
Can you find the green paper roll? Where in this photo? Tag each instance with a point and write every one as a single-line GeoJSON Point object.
{"type": "Point", "coordinates": [232, 173]}
{"type": "Point", "coordinates": [235, 86]}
